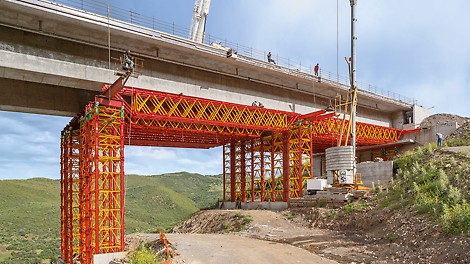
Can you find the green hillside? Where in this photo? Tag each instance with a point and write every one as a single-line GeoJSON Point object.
{"type": "Point", "coordinates": [30, 216]}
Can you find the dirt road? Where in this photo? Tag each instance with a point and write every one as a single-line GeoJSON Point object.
{"type": "Point", "coordinates": [273, 228]}
{"type": "Point", "coordinates": [235, 249]}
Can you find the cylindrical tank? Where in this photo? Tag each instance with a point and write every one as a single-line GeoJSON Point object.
{"type": "Point", "coordinates": [340, 164]}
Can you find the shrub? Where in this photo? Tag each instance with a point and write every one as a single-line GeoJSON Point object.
{"type": "Point", "coordinates": [143, 255]}
{"type": "Point", "coordinates": [456, 218]}
{"type": "Point", "coordinates": [331, 213]}
{"type": "Point", "coordinates": [454, 195]}
{"type": "Point", "coordinates": [392, 237]}
{"type": "Point", "coordinates": [434, 184]}
{"type": "Point", "coordinates": [291, 216]}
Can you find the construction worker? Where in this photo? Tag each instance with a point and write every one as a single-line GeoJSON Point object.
{"type": "Point", "coordinates": [316, 69]}
{"type": "Point", "coordinates": [269, 58]}
{"type": "Point", "coordinates": [439, 139]}
{"type": "Point", "coordinates": [128, 61]}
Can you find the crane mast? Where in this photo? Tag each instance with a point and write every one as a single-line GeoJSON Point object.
{"type": "Point", "coordinates": [353, 88]}
{"type": "Point", "coordinates": [198, 26]}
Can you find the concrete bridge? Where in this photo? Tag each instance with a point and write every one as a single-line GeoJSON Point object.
{"type": "Point", "coordinates": [54, 59]}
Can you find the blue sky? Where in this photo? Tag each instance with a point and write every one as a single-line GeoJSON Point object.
{"type": "Point", "coordinates": [415, 48]}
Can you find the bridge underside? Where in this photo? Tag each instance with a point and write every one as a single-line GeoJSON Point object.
{"type": "Point", "coordinates": [267, 155]}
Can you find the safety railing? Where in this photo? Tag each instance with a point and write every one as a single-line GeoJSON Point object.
{"type": "Point", "coordinates": [258, 56]}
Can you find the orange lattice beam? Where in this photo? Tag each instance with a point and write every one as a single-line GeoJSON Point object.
{"type": "Point", "coordinates": [152, 105]}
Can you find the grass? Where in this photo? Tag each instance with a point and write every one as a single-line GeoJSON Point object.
{"type": "Point", "coordinates": [392, 237]}
{"type": "Point", "coordinates": [435, 183]}
{"type": "Point", "coordinates": [355, 206]}
{"type": "Point", "coordinates": [291, 216]}
{"type": "Point", "coordinates": [29, 220]}
{"type": "Point", "coordinates": [237, 222]}
{"type": "Point", "coordinates": [457, 142]}
{"type": "Point", "coordinates": [30, 210]}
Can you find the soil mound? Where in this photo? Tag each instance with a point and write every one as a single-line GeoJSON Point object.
{"type": "Point", "coordinates": [443, 119]}
{"type": "Point", "coordinates": [213, 221]}
{"type": "Point", "coordinates": [460, 132]}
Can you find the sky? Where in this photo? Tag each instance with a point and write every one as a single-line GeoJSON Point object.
{"type": "Point", "coordinates": [420, 49]}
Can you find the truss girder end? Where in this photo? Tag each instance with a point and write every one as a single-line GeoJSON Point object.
{"type": "Point", "coordinates": [328, 130]}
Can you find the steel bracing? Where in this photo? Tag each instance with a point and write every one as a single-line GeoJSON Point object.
{"type": "Point", "coordinates": [93, 181]}
{"type": "Point", "coordinates": [267, 155]}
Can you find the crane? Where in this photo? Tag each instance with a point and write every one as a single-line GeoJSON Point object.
{"type": "Point", "coordinates": [198, 25]}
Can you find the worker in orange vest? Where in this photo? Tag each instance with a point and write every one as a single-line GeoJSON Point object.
{"type": "Point", "coordinates": [316, 69]}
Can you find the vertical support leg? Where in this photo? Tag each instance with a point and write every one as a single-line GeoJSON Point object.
{"type": "Point", "coordinates": [243, 171]}
{"type": "Point", "coordinates": [110, 180]}
{"type": "Point", "coordinates": [70, 214]}
{"type": "Point", "coordinates": [64, 220]}
{"type": "Point", "coordinates": [310, 137]}
{"type": "Point", "coordinates": [285, 167]}
{"type": "Point", "coordinates": [227, 173]}
{"type": "Point", "coordinates": [95, 176]}
{"type": "Point", "coordinates": [273, 170]}
{"type": "Point", "coordinates": [300, 164]}
{"type": "Point", "coordinates": [121, 179]}
{"type": "Point", "coordinates": [101, 181]}
{"type": "Point", "coordinates": [74, 170]}
{"type": "Point", "coordinates": [70, 168]}
{"type": "Point", "coordinates": [263, 194]}
{"type": "Point", "coordinates": [224, 174]}
{"type": "Point", "coordinates": [84, 192]}
{"type": "Point", "coordinates": [252, 149]}
{"type": "Point", "coordinates": [294, 161]}
{"type": "Point", "coordinates": [233, 197]}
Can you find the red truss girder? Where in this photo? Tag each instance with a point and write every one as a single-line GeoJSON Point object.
{"type": "Point", "coordinates": [132, 91]}
{"type": "Point", "coordinates": [223, 114]}
{"type": "Point", "coordinates": [188, 131]}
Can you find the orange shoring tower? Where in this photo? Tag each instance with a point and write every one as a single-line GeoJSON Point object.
{"type": "Point", "coordinates": [267, 155]}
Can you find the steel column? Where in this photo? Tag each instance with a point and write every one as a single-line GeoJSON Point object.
{"type": "Point", "coordinates": [252, 150]}
{"type": "Point", "coordinates": [262, 180]}
{"type": "Point", "coordinates": [243, 171]}
{"type": "Point", "coordinates": [224, 174]}
{"type": "Point", "coordinates": [65, 220]}
{"type": "Point", "coordinates": [233, 197]}
{"type": "Point", "coordinates": [285, 167]}
{"type": "Point", "coordinates": [273, 176]}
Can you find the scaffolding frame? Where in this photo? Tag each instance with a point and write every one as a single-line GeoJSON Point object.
{"type": "Point", "coordinates": [267, 156]}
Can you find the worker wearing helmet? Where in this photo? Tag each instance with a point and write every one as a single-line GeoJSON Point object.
{"type": "Point", "coordinates": [270, 59]}
{"type": "Point", "coordinates": [128, 61]}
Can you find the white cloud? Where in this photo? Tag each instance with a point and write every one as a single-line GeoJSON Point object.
{"type": "Point", "coordinates": [414, 48]}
